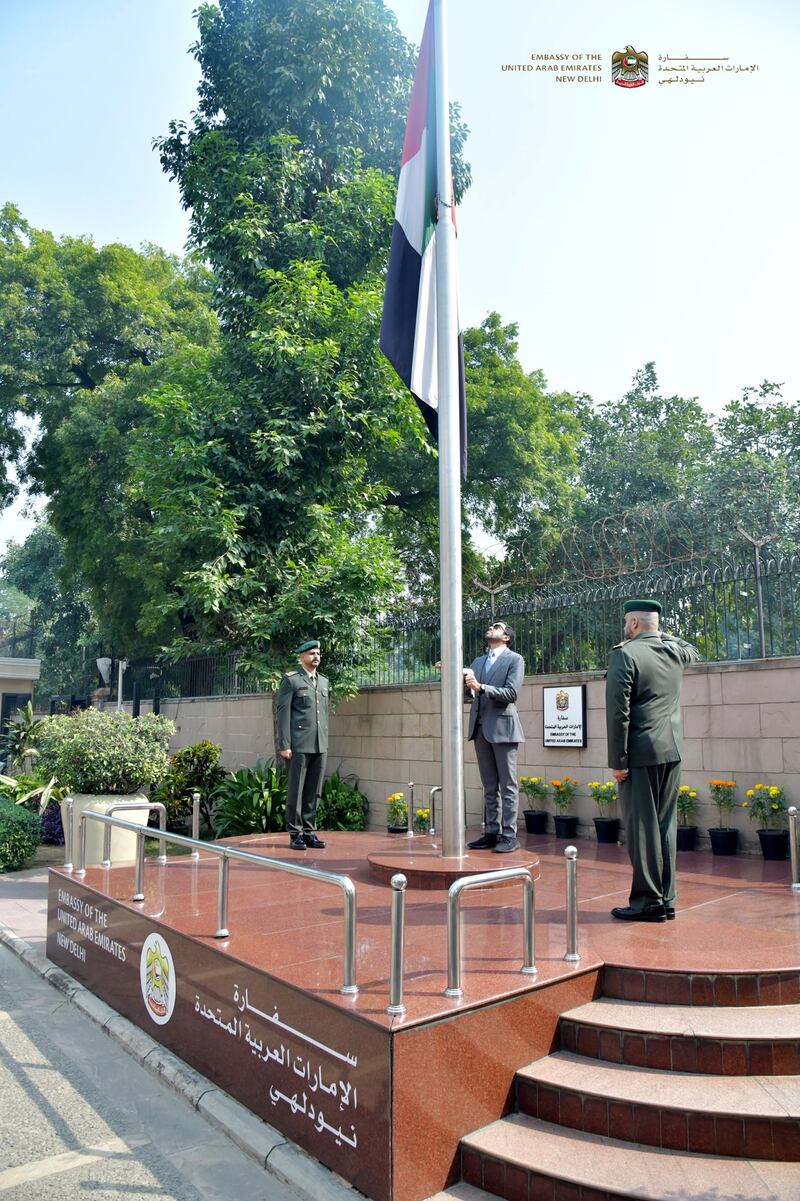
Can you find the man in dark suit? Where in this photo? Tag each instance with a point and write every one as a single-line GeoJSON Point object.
{"type": "Point", "coordinates": [492, 684]}
{"type": "Point", "coordinates": [302, 721]}
{"type": "Point", "coordinates": [643, 715]}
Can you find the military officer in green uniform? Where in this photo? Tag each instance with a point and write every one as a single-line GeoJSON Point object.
{"type": "Point", "coordinates": [643, 714]}
{"type": "Point", "coordinates": [302, 712]}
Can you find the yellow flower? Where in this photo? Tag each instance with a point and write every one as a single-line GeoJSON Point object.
{"type": "Point", "coordinates": [693, 793]}
{"type": "Point", "coordinates": [773, 792]}
{"type": "Point", "coordinates": [750, 792]}
{"type": "Point", "coordinates": [759, 787]}
{"type": "Point", "coordinates": [746, 804]}
{"type": "Point", "coordinates": [776, 807]}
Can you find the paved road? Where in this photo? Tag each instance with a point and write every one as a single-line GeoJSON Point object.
{"type": "Point", "coordinates": [79, 1118]}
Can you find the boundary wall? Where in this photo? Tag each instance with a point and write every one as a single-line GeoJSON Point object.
{"type": "Point", "coordinates": [741, 721]}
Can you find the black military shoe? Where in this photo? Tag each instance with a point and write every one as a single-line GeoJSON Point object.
{"type": "Point", "coordinates": [298, 843]}
{"type": "Point", "coordinates": [486, 842]}
{"type": "Point", "coordinates": [505, 844]}
{"type": "Point", "coordinates": [651, 913]}
{"type": "Point", "coordinates": [670, 913]}
{"type": "Point", "coordinates": [311, 840]}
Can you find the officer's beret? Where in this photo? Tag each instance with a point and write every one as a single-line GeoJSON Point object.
{"type": "Point", "coordinates": [311, 645]}
{"type": "Point", "coordinates": [642, 606]}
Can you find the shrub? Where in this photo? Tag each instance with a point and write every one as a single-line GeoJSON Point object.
{"type": "Point", "coordinates": [396, 809]}
{"type": "Point", "coordinates": [604, 795]}
{"type": "Point", "coordinates": [19, 835]}
{"type": "Point", "coordinates": [20, 738]}
{"type": "Point", "coordinates": [93, 751]}
{"type": "Point", "coordinates": [191, 769]}
{"type": "Point", "coordinates": [342, 806]}
{"type": "Point", "coordinates": [251, 800]}
{"type": "Point", "coordinates": [723, 795]}
{"type": "Point", "coordinates": [52, 829]}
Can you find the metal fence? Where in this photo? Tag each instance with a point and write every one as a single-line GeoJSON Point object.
{"type": "Point", "coordinates": [20, 645]}
{"type": "Point", "coordinates": [732, 610]}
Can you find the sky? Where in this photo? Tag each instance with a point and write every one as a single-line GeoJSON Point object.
{"type": "Point", "coordinates": [613, 225]}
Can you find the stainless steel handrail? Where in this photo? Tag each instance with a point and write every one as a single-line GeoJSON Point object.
{"type": "Point", "coordinates": [572, 955]}
{"type": "Point", "coordinates": [793, 851]}
{"type": "Point", "coordinates": [151, 806]}
{"type": "Point", "coordinates": [410, 811]}
{"type": "Point", "coordinates": [528, 968]}
{"type": "Point", "coordinates": [431, 825]}
{"type": "Point", "coordinates": [396, 1006]}
{"type": "Point", "coordinates": [226, 854]}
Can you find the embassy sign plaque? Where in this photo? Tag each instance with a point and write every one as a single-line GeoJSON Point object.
{"type": "Point", "coordinates": [564, 715]}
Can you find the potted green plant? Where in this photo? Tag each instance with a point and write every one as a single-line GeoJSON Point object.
{"type": "Point", "coordinates": [20, 739]}
{"type": "Point", "coordinates": [724, 837]}
{"type": "Point", "coordinates": [535, 789]}
{"type": "Point", "coordinates": [687, 809]}
{"type": "Point", "coordinates": [103, 758]}
{"type": "Point", "coordinates": [396, 813]}
{"type": "Point", "coordinates": [566, 824]}
{"type": "Point", "coordinates": [766, 803]}
{"type": "Point", "coordinates": [604, 795]}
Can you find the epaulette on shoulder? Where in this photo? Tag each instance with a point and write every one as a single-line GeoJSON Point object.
{"type": "Point", "coordinates": [293, 673]}
{"type": "Point", "coordinates": [617, 645]}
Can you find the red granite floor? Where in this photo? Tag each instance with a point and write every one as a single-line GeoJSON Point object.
{"type": "Point", "coordinates": [733, 915]}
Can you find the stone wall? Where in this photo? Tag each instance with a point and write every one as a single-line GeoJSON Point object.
{"type": "Point", "coordinates": [741, 721]}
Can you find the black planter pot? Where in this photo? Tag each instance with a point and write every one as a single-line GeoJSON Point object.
{"type": "Point", "coordinates": [566, 825]}
{"type": "Point", "coordinates": [687, 838]}
{"type": "Point", "coordinates": [724, 841]}
{"type": "Point", "coordinates": [535, 820]}
{"type": "Point", "coordinates": [607, 829]}
{"type": "Point", "coordinates": [774, 843]}
{"type": "Point", "coordinates": [397, 829]}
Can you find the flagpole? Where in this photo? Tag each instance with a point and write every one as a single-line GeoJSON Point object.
{"type": "Point", "coordinates": [449, 467]}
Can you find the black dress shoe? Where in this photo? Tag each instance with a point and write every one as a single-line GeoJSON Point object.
{"type": "Point", "coordinates": [670, 912]}
{"type": "Point", "coordinates": [505, 844]}
{"type": "Point", "coordinates": [311, 840]}
{"type": "Point", "coordinates": [298, 843]}
{"type": "Point", "coordinates": [652, 913]}
{"type": "Point", "coordinates": [486, 842]}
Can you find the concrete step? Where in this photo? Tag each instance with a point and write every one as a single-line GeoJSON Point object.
{"type": "Point", "coordinates": [523, 1159]}
{"type": "Point", "coordinates": [716, 1115]}
{"type": "Point", "coordinates": [714, 1040]}
{"type": "Point", "coordinates": [627, 983]}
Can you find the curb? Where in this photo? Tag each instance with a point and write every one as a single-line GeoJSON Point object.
{"type": "Point", "coordinates": [288, 1163]}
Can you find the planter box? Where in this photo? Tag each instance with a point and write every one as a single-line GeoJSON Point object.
{"type": "Point", "coordinates": [724, 841]}
{"type": "Point", "coordinates": [607, 829]}
{"type": "Point", "coordinates": [687, 838]}
{"type": "Point", "coordinates": [774, 843]}
{"type": "Point", "coordinates": [535, 820]}
{"type": "Point", "coordinates": [566, 825]}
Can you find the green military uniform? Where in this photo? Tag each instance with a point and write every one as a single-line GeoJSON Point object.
{"type": "Point", "coordinates": [643, 691]}
{"type": "Point", "coordinates": [302, 719]}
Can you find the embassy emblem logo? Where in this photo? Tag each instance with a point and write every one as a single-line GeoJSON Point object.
{"type": "Point", "coordinates": [157, 979]}
{"type": "Point", "coordinates": [629, 67]}
{"type": "Point", "coordinates": [562, 700]}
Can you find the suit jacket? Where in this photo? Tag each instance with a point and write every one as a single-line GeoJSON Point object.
{"type": "Point", "coordinates": [495, 707]}
{"type": "Point", "coordinates": [302, 713]}
{"type": "Point", "coordinates": [643, 700]}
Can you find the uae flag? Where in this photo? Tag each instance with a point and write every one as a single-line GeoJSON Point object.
{"type": "Point", "coordinates": [408, 328]}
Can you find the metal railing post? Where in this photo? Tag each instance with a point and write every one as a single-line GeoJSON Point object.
{"type": "Point", "coordinates": [222, 898]}
{"type": "Point", "coordinates": [454, 988]}
{"type": "Point", "coordinates": [81, 846]}
{"type": "Point", "coordinates": [138, 884]}
{"type": "Point", "coordinates": [528, 946]}
{"type": "Point", "coordinates": [793, 849]}
{"type": "Point", "coordinates": [349, 983]}
{"type": "Point", "coordinates": [432, 827]}
{"type": "Point", "coordinates": [571, 855]}
{"type": "Point", "coordinates": [396, 1006]}
{"type": "Point", "coordinates": [69, 804]}
{"type": "Point", "coordinates": [410, 814]}
{"type": "Point", "coordinates": [196, 821]}
{"type": "Point", "coordinates": [480, 880]}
